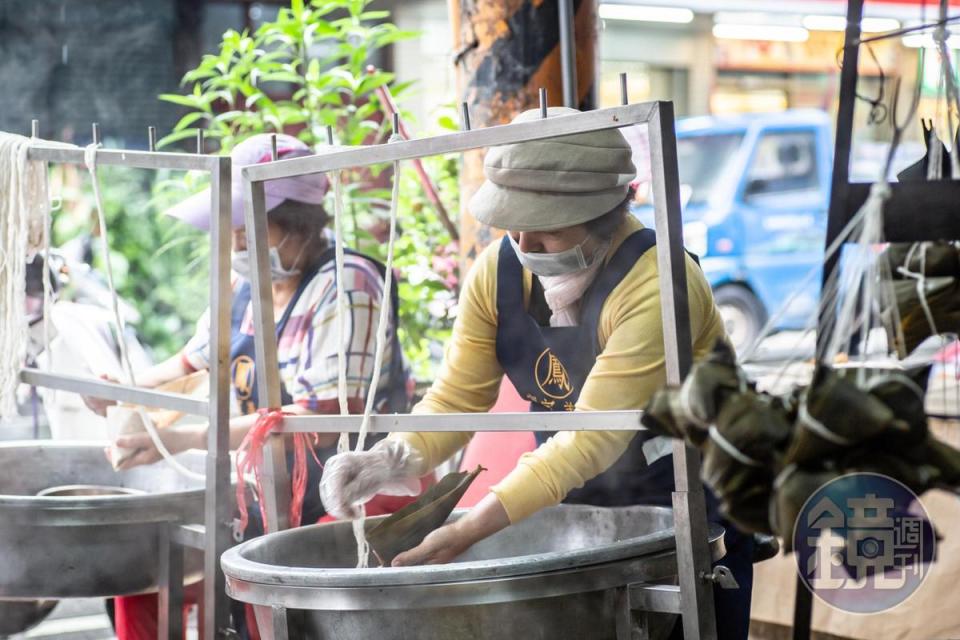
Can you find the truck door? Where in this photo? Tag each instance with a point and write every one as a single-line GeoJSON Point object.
{"type": "Point", "coordinates": [783, 208]}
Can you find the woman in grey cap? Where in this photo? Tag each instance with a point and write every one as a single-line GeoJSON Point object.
{"type": "Point", "coordinates": [567, 305]}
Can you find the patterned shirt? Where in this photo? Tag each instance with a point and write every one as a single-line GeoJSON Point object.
{"type": "Point", "coordinates": [307, 348]}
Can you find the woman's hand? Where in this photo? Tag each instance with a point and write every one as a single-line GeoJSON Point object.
{"type": "Point", "coordinates": [449, 541]}
{"type": "Point", "coordinates": [176, 439]}
{"type": "Point", "coordinates": [440, 547]}
{"type": "Point", "coordinates": [99, 405]}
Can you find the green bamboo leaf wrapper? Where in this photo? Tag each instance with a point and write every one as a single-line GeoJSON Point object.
{"type": "Point", "coordinates": [847, 413]}
{"type": "Point", "coordinates": [406, 528]}
{"type": "Point", "coordinates": [792, 489]}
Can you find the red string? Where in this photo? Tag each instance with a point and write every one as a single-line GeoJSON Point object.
{"type": "Point", "coordinates": [250, 460]}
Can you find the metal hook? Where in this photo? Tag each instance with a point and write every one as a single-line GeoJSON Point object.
{"type": "Point", "coordinates": [329, 135]}
{"type": "Point", "coordinates": [152, 139]}
{"type": "Point", "coordinates": [273, 147]}
{"type": "Point", "coordinates": [543, 102]}
{"type": "Point", "coordinates": [396, 123]}
{"type": "Point", "coordinates": [199, 142]}
{"type": "Point", "coordinates": [34, 128]}
{"type": "Point", "coordinates": [465, 116]}
{"type": "Point", "coordinates": [899, 126]}
{"type": "Point", "coordinates": [96, 132]}
{"type": "Point", "coordinates": [623, 89]}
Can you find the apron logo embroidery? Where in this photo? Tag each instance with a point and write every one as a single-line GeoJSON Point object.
{"type": "Point", "coordinates": [243, 379]}
{"type": "Point", "coordinates": [552, 376]}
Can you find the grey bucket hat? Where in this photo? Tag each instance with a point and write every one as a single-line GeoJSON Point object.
{"type": "Point", "coordinates": [555, 183]}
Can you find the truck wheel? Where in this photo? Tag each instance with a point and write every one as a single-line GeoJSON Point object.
{"type": "Point", "coordinates": [743, 315]}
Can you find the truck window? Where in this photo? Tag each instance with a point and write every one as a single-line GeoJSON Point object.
{"type": "Point", "coordinates": [702, 160]}
{"type": "Point", "coordinates": [783, 162]}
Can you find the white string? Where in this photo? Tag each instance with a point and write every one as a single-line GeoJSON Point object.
{"type": "Point", "coordinates": [359, 532]}
{"type": "Point", "coordinates": [343, 444]}
{"type": "Point", "coordinates": [90, 159]}
{"type": "Point", "coordinates": [921, 279]}
{"type": "Point", "coordinates": [23, 198]}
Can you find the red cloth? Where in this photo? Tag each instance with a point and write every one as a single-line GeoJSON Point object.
{"type": "Point", "coordinates": [496, 451]}
{"type": "Point", "coordinates": [137, 617]}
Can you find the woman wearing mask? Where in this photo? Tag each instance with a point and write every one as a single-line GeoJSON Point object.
{"type": "Point", "coordinates": [302, 271]}
{"type": "Point", "coordinates": [567, 305]}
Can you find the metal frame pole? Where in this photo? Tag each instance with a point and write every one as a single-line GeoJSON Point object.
{"type": "Point", "coordinates": [170, 583]}
{"type": "Point", "coordinates": [839, 182]}
{"type": "Point", "coordinates": [217, 499]}
{"type": "Point", "coordinates": [568, 54]}
{"type": "Point", "coordinates": [276, 480]}
{"type": "Point", "coordinates": [836, 220]}
{"type": "Point", "coordinates": [689, 506]}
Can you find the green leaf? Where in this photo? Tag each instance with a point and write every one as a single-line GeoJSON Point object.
{"type": "Point", "coordinates": [282, 76]}
{"type": "Point", "coordinates": [189, 119]}
{"type": "Point", "coordinates": [186, 101]}
{"type": "Point", "coordinates": [176, 136]}
{"type": "Point", "coordinates": [448, 123]}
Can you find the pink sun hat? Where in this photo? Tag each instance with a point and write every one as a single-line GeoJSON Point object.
{"type": "Point", "coordinates": [257, 149]}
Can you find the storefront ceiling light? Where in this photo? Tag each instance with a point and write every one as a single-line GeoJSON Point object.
{"type": "Point", "coordinates": [760, 32]}
{"type": "Point", "coordinates": [645, 13]}
{"type": "Point", "coordinates": [925, 40]}
{"type": "Point", "coordinates": [839, 23]}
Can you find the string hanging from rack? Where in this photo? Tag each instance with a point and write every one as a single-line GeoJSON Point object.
{"type": "Point", "coordinates": [119, 326]}
{"type": "Point", "coordinates": [343, 444]}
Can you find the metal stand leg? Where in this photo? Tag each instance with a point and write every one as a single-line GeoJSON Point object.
{"type": "Point", "coordinates": [171, 587]}
{"type": "Point", "coordinates": [802, 611]}
{"type": "Point", "coordinates": [693, 553]}
{"type": "Point", "coordinates": [624, 614]}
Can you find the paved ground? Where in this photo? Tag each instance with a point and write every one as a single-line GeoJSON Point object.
{"type": "Point", "coordinates": [84, 619]}
{"type": "Point", "coordinates": [73, 620]}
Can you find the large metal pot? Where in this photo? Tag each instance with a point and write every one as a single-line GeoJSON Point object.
{"type": "Point", "coordinates": [554, 575]}
{"type": "Point", "coordinates": [83, 546]}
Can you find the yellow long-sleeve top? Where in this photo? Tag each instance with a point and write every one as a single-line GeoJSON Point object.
{"type": "Point", "coordinates": [629, 368]}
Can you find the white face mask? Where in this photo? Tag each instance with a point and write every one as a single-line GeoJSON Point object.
{"type": "Point", "coordinates": [557, 264]}
{"type": "Point", "coordinates": [240, 263]}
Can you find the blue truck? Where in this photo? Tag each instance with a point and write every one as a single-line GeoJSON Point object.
{"type": "Point", "coordinates": [754, 190]}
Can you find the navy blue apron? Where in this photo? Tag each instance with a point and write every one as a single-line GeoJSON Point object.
{"type": "Point", "coordinates": [549, 365]}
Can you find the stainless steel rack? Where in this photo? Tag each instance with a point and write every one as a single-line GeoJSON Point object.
{"type": "Point", "coordinates": [214, 536]}
{"type": "Point", "coordinates": [693, 597]}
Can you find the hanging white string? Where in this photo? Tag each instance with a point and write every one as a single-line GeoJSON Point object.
{"type": "Point", "coordinates": [23, 198]}
{"type": "Point", "coordinates": [343, 444]}
{"type": "Point", "coordinates": [119, 328]}
{"type": "Point", "coordinates": [359, 533]}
